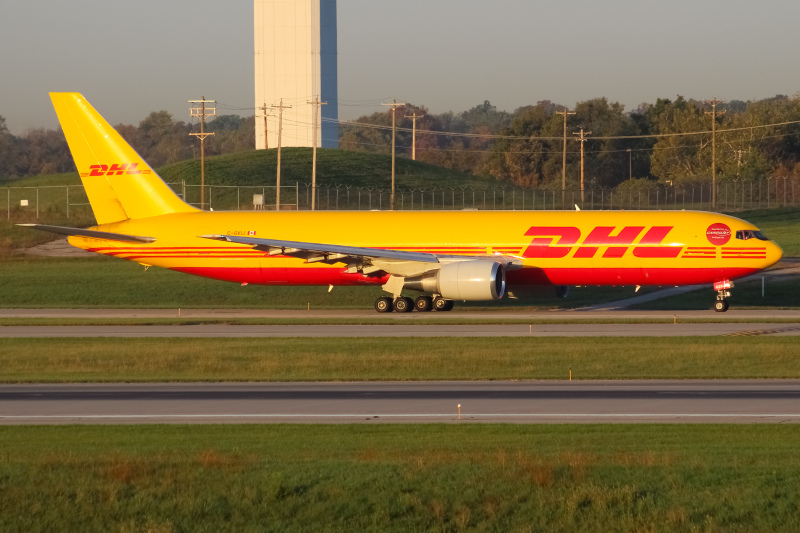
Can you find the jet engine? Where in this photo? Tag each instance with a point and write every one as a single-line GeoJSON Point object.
{"type": "Point", "coordinates": [463, 280]}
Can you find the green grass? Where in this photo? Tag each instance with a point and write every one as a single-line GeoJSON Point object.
{"type": "Point", "coordinates": [363, 359]}
{"type": "Point", "coordinates": [400, 478]}
{"type": "Point", "coordinates": [109, 282]}
{"type": "Point", "coordinates": [356, 169]}
{"type": "Point", "coordinates": [782, 225]}
{"type": "Point", "coordinates": [253, 170]}
{"type": "Point", "coordinates": [747, 295]}
{"type": "Point", "coordinates": [258, 167]}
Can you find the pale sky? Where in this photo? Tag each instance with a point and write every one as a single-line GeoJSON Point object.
{"type": "Point", "coordinates": [131, 58]}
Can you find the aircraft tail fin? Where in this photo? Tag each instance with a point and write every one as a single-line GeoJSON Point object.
{"type": "Point", "coordinates": [118, 182]}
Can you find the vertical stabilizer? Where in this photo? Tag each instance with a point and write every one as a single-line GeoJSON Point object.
{"type": "Point", "coordinates": [119, 184]}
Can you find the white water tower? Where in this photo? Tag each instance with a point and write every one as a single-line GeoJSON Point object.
{"type": "Point", "coordinates": [295, 60]}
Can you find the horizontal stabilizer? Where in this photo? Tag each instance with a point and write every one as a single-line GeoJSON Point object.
{"type": "Point", "coordinates": [90, 233]}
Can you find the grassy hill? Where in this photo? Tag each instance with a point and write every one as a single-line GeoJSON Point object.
{"type": "Point", "coordinates": [355, 169]}
{"type": "Point", "coordinates": [258, 168]}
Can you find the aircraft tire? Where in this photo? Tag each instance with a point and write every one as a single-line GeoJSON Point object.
{"type": "Point", "coordinates": [384, 305]}
{"type": "Point", "coordinates": [423, 303]}
{"type": "Point", "coordinates": [403, 305]}
{"type": "Point", "coordinates": [720, 306]}
{"type": "Point", "coordinates": [440, 304]}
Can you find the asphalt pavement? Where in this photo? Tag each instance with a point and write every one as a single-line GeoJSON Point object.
{"type": "Point", "coordinates": [406, 330]}
{"type": "Point", "coordinates": [718, 401]}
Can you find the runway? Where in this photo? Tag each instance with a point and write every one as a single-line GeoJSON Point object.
{"type": "Point", "coordinates": [721, 401]}
{"type": "Point", "coordinates": [459, 313]}
{"type": "Point", "coordinates": [407, 330]}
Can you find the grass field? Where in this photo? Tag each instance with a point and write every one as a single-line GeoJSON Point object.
{"type": "Point", "coordinates": [782, 225]}
{"type": "Point", "coordinates": [400, 478]}
{"type": "Point", "coordinates": [777, 295]}
{"type": "Point", "coordinates": [361, 359]}
{"type": "Point", "coordinates": [255, 168]}
{"type": "Point", "coordinates": [108, 282]}
{"type": "Point", "coordinates": [355, 169]}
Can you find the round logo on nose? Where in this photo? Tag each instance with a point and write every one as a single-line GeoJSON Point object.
{"type": "Point", "coordinates": [718, 234]}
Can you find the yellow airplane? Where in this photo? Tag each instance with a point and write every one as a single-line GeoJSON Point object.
{"type": "Point", "coordinates": [444, 255]}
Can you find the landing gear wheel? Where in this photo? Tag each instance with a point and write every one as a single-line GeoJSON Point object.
{"type": "Point", "coordinates": [720, 306]}
{"type": "Point", "coordinates": [440, 304]}
{"type": "Point", "coordinates": [384, 305]}
{"type": "Point", "coordinates": [403, 305]}
{"type": "Point", "coordinates": [423, 303]}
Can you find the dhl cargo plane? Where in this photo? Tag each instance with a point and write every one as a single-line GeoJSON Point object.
{"type": "Point", "coordinates": [444, 256]}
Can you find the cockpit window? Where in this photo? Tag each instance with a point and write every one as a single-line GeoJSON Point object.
{"type": "Point", "coordinates": [746, 234]}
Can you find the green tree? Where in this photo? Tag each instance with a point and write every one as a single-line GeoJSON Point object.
{"type": "Point", "coordinates": [8, 151]}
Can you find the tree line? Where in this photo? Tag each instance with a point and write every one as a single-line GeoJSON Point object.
{"type": "Point", "coordinates": [524, 147]}
{"type": "Point", "coordinates": [159, 139]}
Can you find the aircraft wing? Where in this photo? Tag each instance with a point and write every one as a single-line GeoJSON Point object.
{"type": "Point", "coordinates": [359, 259]}
{"type": "Point", "coordinates": [63, 230]}
{"type": "Point", "coordinates": [329, 253]}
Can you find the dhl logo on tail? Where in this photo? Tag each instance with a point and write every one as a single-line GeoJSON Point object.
{"type": "Point", "coordinates": [117, 169]}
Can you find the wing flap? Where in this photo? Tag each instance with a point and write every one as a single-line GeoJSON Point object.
{"type": "Point", "coordinates": [325, 253]}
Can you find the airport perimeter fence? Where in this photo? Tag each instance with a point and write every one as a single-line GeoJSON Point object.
{"type": "Point", "coordinates": [70, 201]}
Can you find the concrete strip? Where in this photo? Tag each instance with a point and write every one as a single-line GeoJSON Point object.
{"type": "Point", "coordinates": [355, 314]}
{"type": "Point", "coordinates": [726, 401]}
{"type": "Point", "coordinates": [400, 330]}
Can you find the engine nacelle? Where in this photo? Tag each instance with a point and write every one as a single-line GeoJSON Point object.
{"type": "Point", "coordinates": [463, 280]}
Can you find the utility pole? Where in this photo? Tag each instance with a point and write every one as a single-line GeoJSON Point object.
{"type": "Point", "coordinates": [266, 132]}
{"type": "Point", "coordinates": [317, 106]}
{"type": "Point", "coordinates": [202, 112]}
{"type": "Point", "coordinates": [393, 105]}
{"type": "Point", "coordinates": [714, 115]}
{"type": "Point", "coordinates": [280, 107]}
{"type": "Point", "coordinates": [414, 118]}
{"type": "Point", "coordinates": [564, 156]}
{"type": "Point", "coordinates": [582, 140]}
{"type": "Point", "coordinates": [630, 165]}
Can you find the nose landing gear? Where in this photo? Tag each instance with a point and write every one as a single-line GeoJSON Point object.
{"type": "Point", "coordinates": [721, 305]}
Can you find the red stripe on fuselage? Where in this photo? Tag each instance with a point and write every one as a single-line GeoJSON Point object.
{"type": "Point", "coordinates": [527, 276]}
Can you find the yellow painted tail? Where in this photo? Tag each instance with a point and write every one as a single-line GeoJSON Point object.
{"type": "Point", "coordinates": [119, 184]}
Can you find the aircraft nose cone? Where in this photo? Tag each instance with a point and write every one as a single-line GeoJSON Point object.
{"type": "Point", "coordinates": [774, 253]}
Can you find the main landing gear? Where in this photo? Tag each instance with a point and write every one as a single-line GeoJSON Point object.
{"type": "Point", "coordinates": [721, 305]}
{"type": "Point", "coordinates": [385, 304]}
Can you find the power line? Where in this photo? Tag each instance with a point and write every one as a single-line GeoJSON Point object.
{"type": "Point", "coordinates": [280, 107]}
{"type": "Point", "coordinates": [414, 118]}
{"type": "Point", "coordinates": [714, 113]}
{"type": "Point", "coordinates": [566, 113]}
{"type": "Point", "coordinates": [317, 106]}
{"type": "Point", "coordinates": [582, 141]}
{"type": "Point", "coordinates": [518, 137]}
{"type": "Point", "coordinates": [532, 138]}
{"type": "Point", "coordinates": [393, 105]}
{"type": "Point", "coordinates": [202, 112]}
